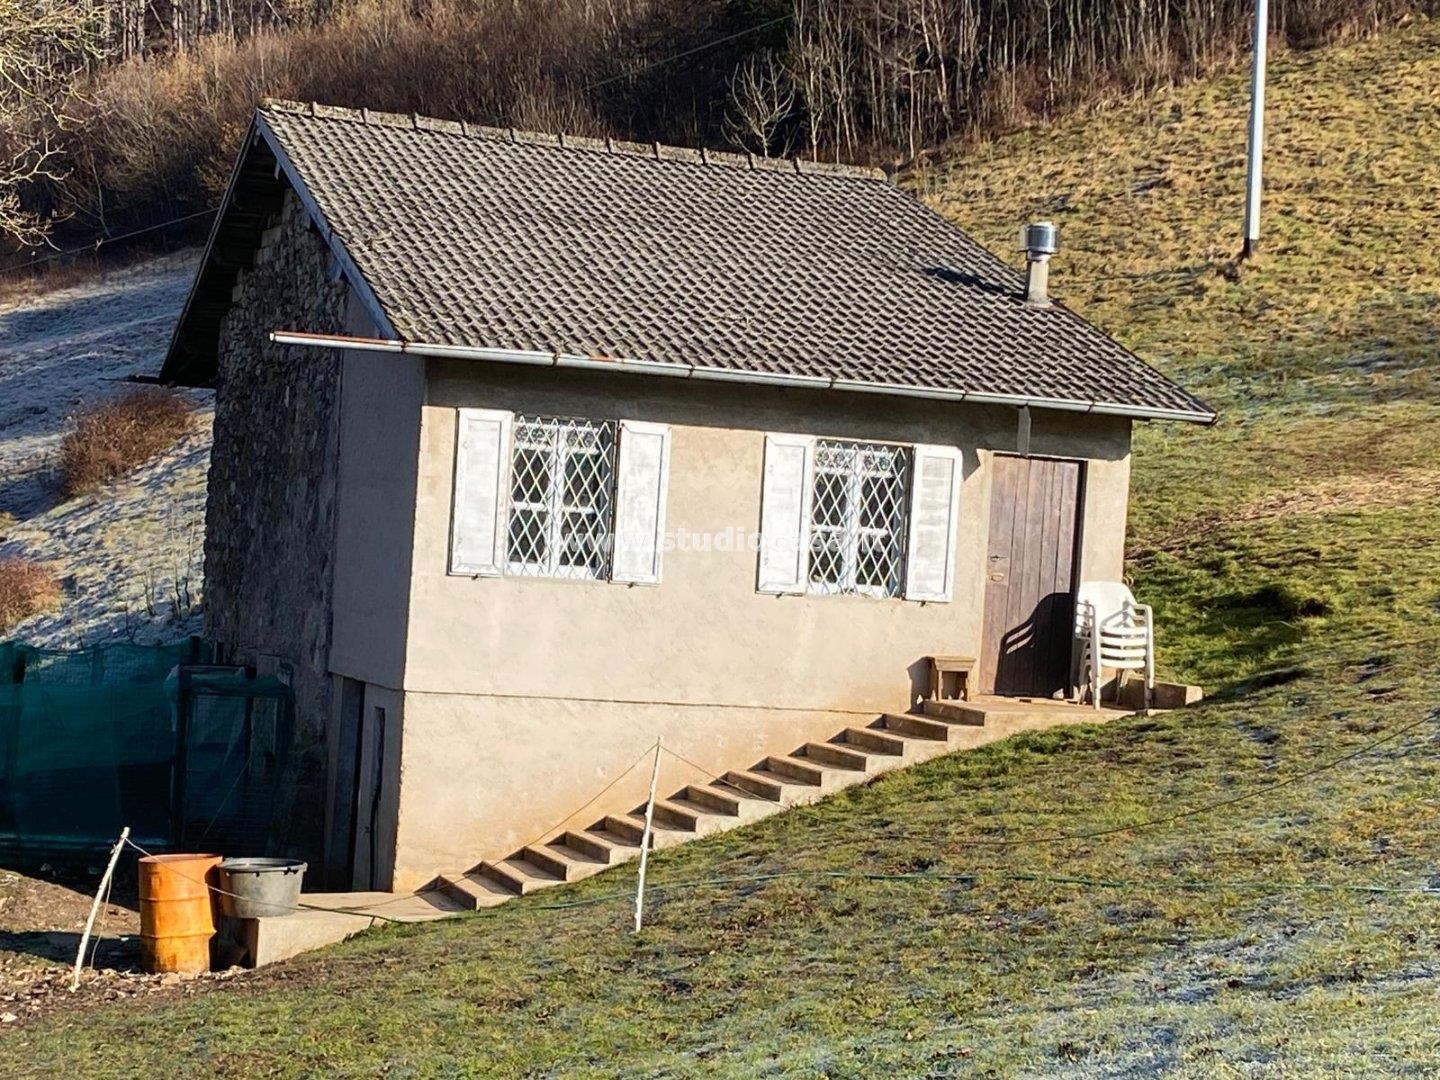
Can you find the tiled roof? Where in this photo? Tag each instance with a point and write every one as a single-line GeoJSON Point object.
{"type": "Point", "coordinates": [492, 238]}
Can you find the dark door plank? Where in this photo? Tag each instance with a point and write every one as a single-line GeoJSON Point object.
{"type": "Point", "coordinates": [997, 566]}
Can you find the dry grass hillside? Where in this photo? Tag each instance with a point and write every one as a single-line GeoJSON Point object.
{"type": "Point", "coordinates": [1246, 888]}
{"type": "Point", "coordinates": [142, 106]}
{"type": "Point", "coordinates": [1308, 513]}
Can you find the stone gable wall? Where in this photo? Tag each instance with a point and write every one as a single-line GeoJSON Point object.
{"type": "Point", "coordinates": [270, 520]}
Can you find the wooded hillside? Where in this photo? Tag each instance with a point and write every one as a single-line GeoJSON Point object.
{"type": "Point", "coordinates": [115, 107]}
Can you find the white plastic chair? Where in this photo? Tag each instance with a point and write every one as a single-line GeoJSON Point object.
{"type": "Point", "coordinates": [1114, 632]}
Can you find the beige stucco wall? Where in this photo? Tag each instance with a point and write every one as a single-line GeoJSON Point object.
{"type": "Point", "coordinates": [524, 697]}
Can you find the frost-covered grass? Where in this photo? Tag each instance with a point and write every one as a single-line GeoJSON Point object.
{"type": "Point", "coordinates": [1293, 555]}
{"type": "Point", "coordinates": [127, 553]}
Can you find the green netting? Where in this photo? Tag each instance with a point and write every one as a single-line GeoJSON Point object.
{"type": "Point", "coordinates": [87, 744]}
{"type": "Point", "coordinates": [98, 666]}
{"type": "Point", "coordinates": [92, 740]}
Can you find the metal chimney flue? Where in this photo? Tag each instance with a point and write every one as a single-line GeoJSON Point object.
{"type": "Point", "coordinates": [1039, 240]}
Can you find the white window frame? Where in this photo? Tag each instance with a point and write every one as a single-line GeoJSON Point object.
{"type": "Point", "coordinates": [554, 506]}
{"type": "Point", "coordinates": [853, 532]}
{"type": "Point", "coordinates": [925, 533]}
{"type": "Point", "coordinates": [631, 536]}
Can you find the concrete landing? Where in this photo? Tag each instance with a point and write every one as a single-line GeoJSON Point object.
{"type": "Point", "coordinates": [382, 906]}
{"type": "Point", "coordinates": [257, 942]}
{"type": "Point", "coordinates": [1042, 711]}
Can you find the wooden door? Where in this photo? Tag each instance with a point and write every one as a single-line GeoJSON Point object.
{"type": "Point", "coordinates": [365, 835]}
{"type": "Point", "coordinates": [1030, 576]}
{"type": "Point", "coordinates": [340, 848]}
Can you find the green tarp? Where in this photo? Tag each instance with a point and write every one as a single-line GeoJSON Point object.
{"type": "Point", "coordinates": [92, 740]}
{"type": "Point", "coordinates": [87, 742]}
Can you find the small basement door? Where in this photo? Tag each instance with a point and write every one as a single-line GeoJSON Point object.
{"type": "Point", "coordinates": [1030, 576]}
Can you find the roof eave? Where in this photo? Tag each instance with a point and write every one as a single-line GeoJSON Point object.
{"type": "Point", "coordinates": [258, 131]}
{"type": "Point", "coordinates": [356, 279]}
{"type": "Point", "coordinates": [172, 360]}
{"type": "Point", "coordinates": [534, 358]}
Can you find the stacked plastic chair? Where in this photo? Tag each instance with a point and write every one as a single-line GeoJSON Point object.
{"type": "Point", "coordinates": [1114, 632]}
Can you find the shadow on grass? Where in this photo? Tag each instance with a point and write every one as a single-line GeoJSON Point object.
{"type": "Point", "coordinates": [120, 952]}
{"type": "Point", "coordinates": [1247, 631]}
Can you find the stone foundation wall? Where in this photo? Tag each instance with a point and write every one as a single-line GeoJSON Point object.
{"type": "Point", "coordinates": [270, 521]}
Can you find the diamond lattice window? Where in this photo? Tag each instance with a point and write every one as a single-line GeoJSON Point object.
{"type": "Point", "coordinates": [562, 495]}
{"type": "Point", "coordinates": [858, 517]}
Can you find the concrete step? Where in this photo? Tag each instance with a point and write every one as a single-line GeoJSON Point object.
{"type": "Point", "coordinates": [596, 844]}
{"type": "Point", "coordinates": [749, 805]}
{"type": "Point", "coordinates": [630, 829]}
{"type": "Point", "coordinates": [675, 813]}
{"type": "Point", "coordinates": [472, 891]}
{"type": "Point", "coordinates": [954, 712]}
{"type": "Point", "coordinates": [565, 863]}
{"type": "Point", "coordinates": [836, 756]}
{"type": "Point", "coordinates": [662, 833]}
{"type": "Point", "coordinates": [707, 821]}
{"type": "Point", "coordinates": [763, 785]}
{"type": "Point", "coordinates": [798, 770]}
{"type": "Point", "coordinates": [717, 800]}
{"type": "Point", "coordinates": [917, 727]}
{"type": "Point", "coordinates": [872, 741]}
{"type": "Point", "coordinates": [782, 791]}
{"type": "Point", "coordinates": [519, 876]}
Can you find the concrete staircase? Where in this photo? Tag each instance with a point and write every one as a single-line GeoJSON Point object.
{"type": "Point", "coordinates": [771, 785]}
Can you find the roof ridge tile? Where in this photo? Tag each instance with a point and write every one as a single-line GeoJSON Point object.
{"type": "Point", "coordinates": [655, 151]}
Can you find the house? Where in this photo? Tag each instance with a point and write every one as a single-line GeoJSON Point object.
{"type": "Point", "coordinates": [530, 450]}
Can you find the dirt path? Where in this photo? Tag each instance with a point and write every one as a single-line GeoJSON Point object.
{"type": "Point", "coordinates": [42, 914]}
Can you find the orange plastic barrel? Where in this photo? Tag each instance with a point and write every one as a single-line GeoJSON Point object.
{"type": "Point", "coordinates": [176, 923]}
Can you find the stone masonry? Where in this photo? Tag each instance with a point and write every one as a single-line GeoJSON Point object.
{"type": "Point", "coordinates": [270, 524]}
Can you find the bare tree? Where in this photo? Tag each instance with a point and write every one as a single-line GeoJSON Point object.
{"type": "Point", "coordinates": [43, 45]}
{"type": "Point", "coordinates": [847, 79]}
{"type": "Point", "coordinates": [762, 99]}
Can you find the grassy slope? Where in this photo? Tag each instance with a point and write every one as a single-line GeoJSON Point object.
{"type": "Point", "coordinates": [1292, 555]}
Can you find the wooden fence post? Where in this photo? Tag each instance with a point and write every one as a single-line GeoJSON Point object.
{"type": "Point", "coordinates": [645, 838]}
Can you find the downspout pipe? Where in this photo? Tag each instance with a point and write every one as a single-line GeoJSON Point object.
{"type": "Point", "coordinates": [535, 358]}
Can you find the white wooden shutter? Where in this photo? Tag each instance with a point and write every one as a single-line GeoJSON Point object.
{"type": "Point", "coordinates": [785, 513]}
{"type": "Point", "coordinates": [482, 492]}
{"type": "Point", "coordinates": [934, 513]}
{"type": "Point", "coordinates": [641, 480]}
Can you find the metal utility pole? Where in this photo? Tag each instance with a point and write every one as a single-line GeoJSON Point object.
{"type": "Point", "coordinates": [1255, 147]}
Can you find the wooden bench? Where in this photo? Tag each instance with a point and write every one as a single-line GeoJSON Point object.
{"type": "Point", "coordinates": [960, 666]}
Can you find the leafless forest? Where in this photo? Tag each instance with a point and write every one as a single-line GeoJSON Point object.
{"type": "Point", "coordinates": [131, 109]}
